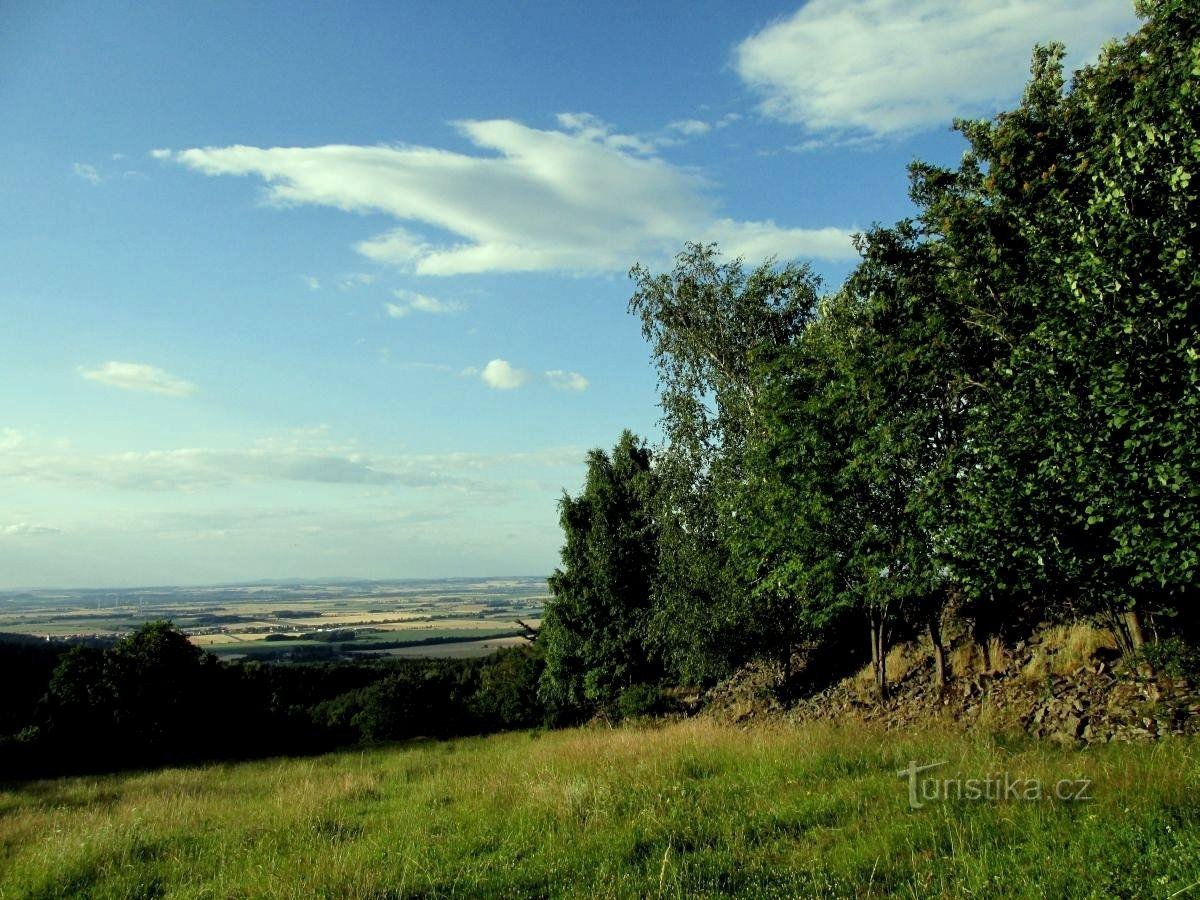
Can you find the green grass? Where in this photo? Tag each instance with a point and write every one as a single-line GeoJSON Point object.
{"type": "Point", "coordinates": [681, 810]}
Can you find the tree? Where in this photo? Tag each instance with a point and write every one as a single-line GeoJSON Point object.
{"type": "Point", "coordinates": [148, 698]}
{"type": "Point", "coordinates": [911, 365]}
{"type": "Point", "coordinates": [1073, 219]}
{"type": "Point", "coordinates": [799, 510]}
{"type": "Point", "coordinates": [854, 469]}
{"type": "Point", "coordinates": [708, 322]}
{"type": "Point", "coordinates": [508, 683]}
{"type": "Point", "coordinates": [594, 628]}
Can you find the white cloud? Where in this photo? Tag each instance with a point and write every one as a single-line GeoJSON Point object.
{"type": "Point", "coordinates": [592, 128]}
{"type": "Point", "coordinates": [502, 376]}
{"type": "Point", "coordinates": [22, 529]}
{"type": "Point", "coordinates": [566, 381]}
{"type": "Point", "coordinates": [358, 279]}
{"type": "Point", "coordinates": [139, 377]}
{"type": "Point", "coordinates": [411, 301]}
{"type": "Point", "coordinates": [690, 127]}
{"type": "Point", "coordinates": [314, 283]}
{"type": "Point", "coordinates": [87, 172]}
{"type": "Point", "coordinates": [580, 199]}
{"type": "Point", "coordinates": [302, 456]}
{"type": "Point", "coordinates": [887, 67]}
{"type": "Point", "coordinates": [426, 304]}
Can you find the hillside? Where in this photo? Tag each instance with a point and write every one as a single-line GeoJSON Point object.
{"type": "Point", "coordinates": [1066, 683]}
{"type": "Point", "coordinates": [691, 808]}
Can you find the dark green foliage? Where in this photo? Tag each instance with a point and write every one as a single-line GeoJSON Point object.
{"type": "Point", "coordinates": [145, 697]}
{"type": "Point", "coordinates": [999, 413]}
{"type": "Point", "coordinates": [154, 698]}
{"type": "Point", "coordinates": [640, 700]}
{"type": "Point", "coordinates": [508, 689]}
{"type": "Point", "coordinates": [431, 701]}
{"type": "Point", "coordinates": [710, 323]}
{"type": "Point", "coordinates": [1075, 217]}
{"type": "Point", "coordinates": [26, 665]}
{"type": "Point", "coordinates": [594, 628]}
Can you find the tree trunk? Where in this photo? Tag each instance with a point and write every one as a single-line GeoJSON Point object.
{"type": "Point", "coordinates": [939, 650]}
{"type": "Point", "coordinates": [1133, 625]}
{"type": "Point", "coordinates": [879, 654]}
{"type": "Point", "coordinates": [1131, 620]}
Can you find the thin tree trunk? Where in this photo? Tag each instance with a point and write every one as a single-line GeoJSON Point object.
{"type": "Point", "coordinates": [1131, 619]}
{"type": "Point", "coordinates": [879, 654]}
{"type": "Point", "coordinates": [1133, 625]}
{"type": "Point", "coordinates": [939, 650]}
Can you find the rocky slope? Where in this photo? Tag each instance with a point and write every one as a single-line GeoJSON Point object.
{"type": "Point", "coordinates": [1065, 684]}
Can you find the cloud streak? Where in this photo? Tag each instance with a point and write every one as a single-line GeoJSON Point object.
{"type": "Point", "coordinates": [87, 172]}
{"type": "Point", "coordinates": [890, 67]}
{"type": "Point", "coordinates": [139, 377]}
{"type": "Point", "coordinates": [581, 198]}
{"type": "Point", "coordinates": [195, 469]}
{"type": "Point", "coordinates": [411, 301]}
{"type": "Point", "coordinates": [566, 381]}
{"type": "Point", "coordinates": [25, 529]}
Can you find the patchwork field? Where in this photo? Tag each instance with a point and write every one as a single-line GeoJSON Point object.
{"type": "Point", "coordinates": [297, 620]}
{"type": "Point", "coordinates": [687, 809]}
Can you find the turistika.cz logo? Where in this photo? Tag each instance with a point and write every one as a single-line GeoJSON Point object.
{"type": "Point", "coordinates": [994, 787]}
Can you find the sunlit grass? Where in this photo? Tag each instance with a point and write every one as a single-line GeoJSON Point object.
{"type": "Point", "coordinates": [685, 809]}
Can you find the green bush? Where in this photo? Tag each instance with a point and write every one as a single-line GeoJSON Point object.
{"type": "Point", "coordinates": [1173, 657]}
{"type": "Point", "coordinates": [640, 700]}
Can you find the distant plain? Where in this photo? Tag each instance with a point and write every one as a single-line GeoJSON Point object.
{"type": "Point", "coordinates": [339, 618]}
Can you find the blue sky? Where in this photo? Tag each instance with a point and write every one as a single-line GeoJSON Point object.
{"type": "Point", "coordinates": [313, 289]}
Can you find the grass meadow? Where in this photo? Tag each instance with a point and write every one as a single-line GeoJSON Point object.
{"type": "Point", "coordinates": [684, 809]}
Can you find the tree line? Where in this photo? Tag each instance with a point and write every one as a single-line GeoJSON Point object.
{"type": "Point", "coordinates": [155, 698]}
{"type": "Point", "coordinates": [996, 418]}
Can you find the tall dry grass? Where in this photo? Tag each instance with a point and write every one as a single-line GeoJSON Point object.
{"type": "Point", "coordinates": [688, 809]}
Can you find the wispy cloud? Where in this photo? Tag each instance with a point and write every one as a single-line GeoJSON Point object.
{"type": "Point", "coordinates": [25, 529]}
{"type": "Point", "coordinates": [502, 376]}
{"type": "Point", "coordinates": [87, 172]}
{"type": "Point", "coordinates": [314, 283]}
{"type": "Point", "coordinates": [579, 198]}
{"type": "Point", "coordinates": [355, 280]}
{"type": "Point", "coordinates": [690, 127]}
{"type": "Point", "coordinates": [139, 377]}
{"type": "Point", "coordinates": [300, 457]}
{"type": "Point", "coordinates": [566, 381]}
{"type": "Point", "coordinates": [411, 301]}
{"type": "Point", "coordinates": [888, 67]}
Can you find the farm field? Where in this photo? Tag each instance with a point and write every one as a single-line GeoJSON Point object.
{"type": "Point", "coordinates": [685, 809]}
{"type": "Point", "coordinates": [308, 620]}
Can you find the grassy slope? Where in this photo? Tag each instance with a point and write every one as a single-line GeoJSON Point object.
{"type": "Point", "coordinates": [684, 809]}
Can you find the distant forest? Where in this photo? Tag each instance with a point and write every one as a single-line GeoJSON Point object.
{"type": "Point", "coordinates": [994, 422]}
{"type": "Point", "coordinates": [154, 697]}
